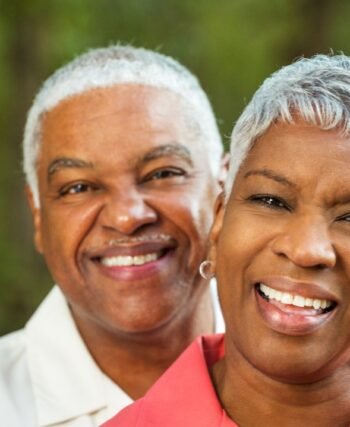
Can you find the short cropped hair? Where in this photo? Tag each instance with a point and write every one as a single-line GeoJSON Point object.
{"type": "Point", "coordinates": [315, 89]}
{"type": "Point", "coordinates": [106, 67]}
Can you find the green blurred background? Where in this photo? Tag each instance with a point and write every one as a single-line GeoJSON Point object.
{"type": "Point", "coordinates": [231, 45]}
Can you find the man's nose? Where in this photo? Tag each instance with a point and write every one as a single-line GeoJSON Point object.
{"type": "Point", "coordinates": [126, 212]}
{"type": "Point", "coordinates": [306, 242]}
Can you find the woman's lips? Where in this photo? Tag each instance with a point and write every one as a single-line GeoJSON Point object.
{"type": "Point", "coordinates": [294, 299]}
{"type": "Point", "coordinates": [291, 313]}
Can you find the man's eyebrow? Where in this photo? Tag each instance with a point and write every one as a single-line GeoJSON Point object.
{"type": "Point", "coordinates": [271, 175]}
{"type": "Point", "coordinates": [67, 163]}
{"type": "Point", "coordinates": [178, 150]}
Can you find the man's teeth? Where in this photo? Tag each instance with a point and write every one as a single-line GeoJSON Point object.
{"type": "Point", "coordinates": [290, 299]}
{"type": "Point", "coordinates": [125, 261]}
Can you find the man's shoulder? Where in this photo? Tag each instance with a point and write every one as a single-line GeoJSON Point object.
{"type": "Point", "coordinates": [11, 339]}
{"type": "Point", "coordinates": [13, 360]}
{"type": "Point", "coordinates": [12, 349]}
{"type": "Point", "coordinates": [14, 345]}
{"type": "Point", "coordinates": [16, 399]}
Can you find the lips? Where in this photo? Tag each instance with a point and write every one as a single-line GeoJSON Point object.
{"type": "Point", "coordinates": [293, 307]}
{"type": "Point", "coordinates": [135, 260]}
{"type": "Point", "coordinates": [296, 300]}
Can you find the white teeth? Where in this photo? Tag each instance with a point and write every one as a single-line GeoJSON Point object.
{"type": "Point", "coordinates": [125, 261]}
{"type": "Point", "coordinates": [287, 298]}
{"type": "Point", "coordinates": [316, 304]}
{"type": "Point", "coordinates": [308, 302]}
{"type": "Point", "coordinates": [299, 301]}
{"type": "Point", "coordinates": [296, 300]}
{"type": "Point", "coordinates": [323, 304]}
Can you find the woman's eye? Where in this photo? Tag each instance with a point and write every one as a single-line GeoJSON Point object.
{"type": "Point", "coordinates": [269, 201]}
{"type": "Point", "coordinates": [164, 173]}
{"type": "Point", "coordinates": [76, 189]}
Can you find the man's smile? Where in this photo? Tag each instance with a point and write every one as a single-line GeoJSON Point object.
{"type": "Point", "coordinates": [134, 259]}
{"type": "Point", "coordinates": [123, 261]}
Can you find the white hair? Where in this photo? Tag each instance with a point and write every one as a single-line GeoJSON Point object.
{"type": "Point", "coordinates": [315, 89]}
{"type": "Point", "coordinates": [106, 67]}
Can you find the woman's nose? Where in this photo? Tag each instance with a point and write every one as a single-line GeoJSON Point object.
{"type": "Point", "coordinates": [306, 242]}
{"type": "Point", "coordinates": [126, 212]}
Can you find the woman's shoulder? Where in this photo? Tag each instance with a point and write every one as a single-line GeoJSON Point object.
{"type": "Point", "coordinates": [128, 417]}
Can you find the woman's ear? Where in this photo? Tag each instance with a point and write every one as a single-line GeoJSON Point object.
{"type": "Point", "coordinates": [219, 209]}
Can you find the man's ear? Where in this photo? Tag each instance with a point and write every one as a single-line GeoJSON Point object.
{"type": "Point", "coordinates": [36, 216]}
{"type": "Point", "coordinates": [214, 234]}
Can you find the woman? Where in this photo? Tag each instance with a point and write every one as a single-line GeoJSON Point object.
{"type": "Point", "coordinates": [280, 249]}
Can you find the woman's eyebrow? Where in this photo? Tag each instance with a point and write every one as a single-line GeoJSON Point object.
{"type": "Point", "coordinates": [271, 175]}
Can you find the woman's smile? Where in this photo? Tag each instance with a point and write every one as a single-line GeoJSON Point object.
{"type": "Point", "coordinates": [292, 313]}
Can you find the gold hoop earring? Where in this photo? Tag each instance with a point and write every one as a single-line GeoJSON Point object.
{"type": "Point", "coordinates": [203, 270]}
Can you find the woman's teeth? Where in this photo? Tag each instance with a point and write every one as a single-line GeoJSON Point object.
{"type": "Point", "coordinates": [291, 299]}
{"type": "Point", "coordinates": [125, 261]}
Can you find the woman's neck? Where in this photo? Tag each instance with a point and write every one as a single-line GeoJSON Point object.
{"type": "Point", "coordinates": [252, 399]}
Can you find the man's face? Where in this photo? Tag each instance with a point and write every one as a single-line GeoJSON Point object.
{"type": "Point", "coordinates": [126, 204]}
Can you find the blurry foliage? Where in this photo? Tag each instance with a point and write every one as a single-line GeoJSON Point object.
{"type": "Point", "coordinates": [232, 45]}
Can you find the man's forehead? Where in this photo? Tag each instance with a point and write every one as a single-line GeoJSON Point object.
{"type": "Point", "coordinates": [128, 102]}
{"type": "Point", "coordinates": [120, 93]}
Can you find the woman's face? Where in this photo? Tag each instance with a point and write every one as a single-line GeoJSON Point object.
{"type": "Point", "coordinates": [281, 251]}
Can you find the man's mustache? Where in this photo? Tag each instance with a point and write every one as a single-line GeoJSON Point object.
{"type": "Point", "coordinates": [139, 239]}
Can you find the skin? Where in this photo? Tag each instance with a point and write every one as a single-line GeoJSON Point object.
{"type": "Point", "coordinates": [289, 213]}
{"type": "Point", "coordinates": [119, 176]}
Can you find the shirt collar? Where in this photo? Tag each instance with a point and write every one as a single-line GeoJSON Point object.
{"type": "Point", "coordinates": [66, 381]}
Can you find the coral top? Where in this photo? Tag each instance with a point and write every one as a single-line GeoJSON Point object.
{"type": "Point", "coordinates": [184, 395]}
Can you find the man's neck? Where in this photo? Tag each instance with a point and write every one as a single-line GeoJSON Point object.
{"type": "Point", "coordinates": [135, 361]}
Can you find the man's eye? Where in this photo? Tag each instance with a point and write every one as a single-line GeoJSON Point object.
{"type": "Point", "coordinates": [164, 173]}
{"type": "Point", "coordinates": [345, 217]}
{"type": "Point", "coordinates": [76, 189]}
{"type": "Point", "coordinates": [269, 201]}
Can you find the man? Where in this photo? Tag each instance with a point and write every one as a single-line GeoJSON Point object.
{"type": "Point", "coordinates": [123, 161]}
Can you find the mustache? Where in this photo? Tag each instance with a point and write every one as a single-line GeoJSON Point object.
{"type": "Point", "coordinates": [139, 239]}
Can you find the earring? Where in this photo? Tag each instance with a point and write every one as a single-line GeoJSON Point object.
{"type": "Point", "coordinates": [206, 265]}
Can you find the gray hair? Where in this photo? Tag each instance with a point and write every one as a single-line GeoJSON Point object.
{"type": "Point", "coordinates": [315, 89]}
{"type": "Point", "coordinates": [106, 67]}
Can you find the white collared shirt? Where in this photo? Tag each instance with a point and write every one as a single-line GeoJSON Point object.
{"type": "Point", "coordinates": [48, 377]}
